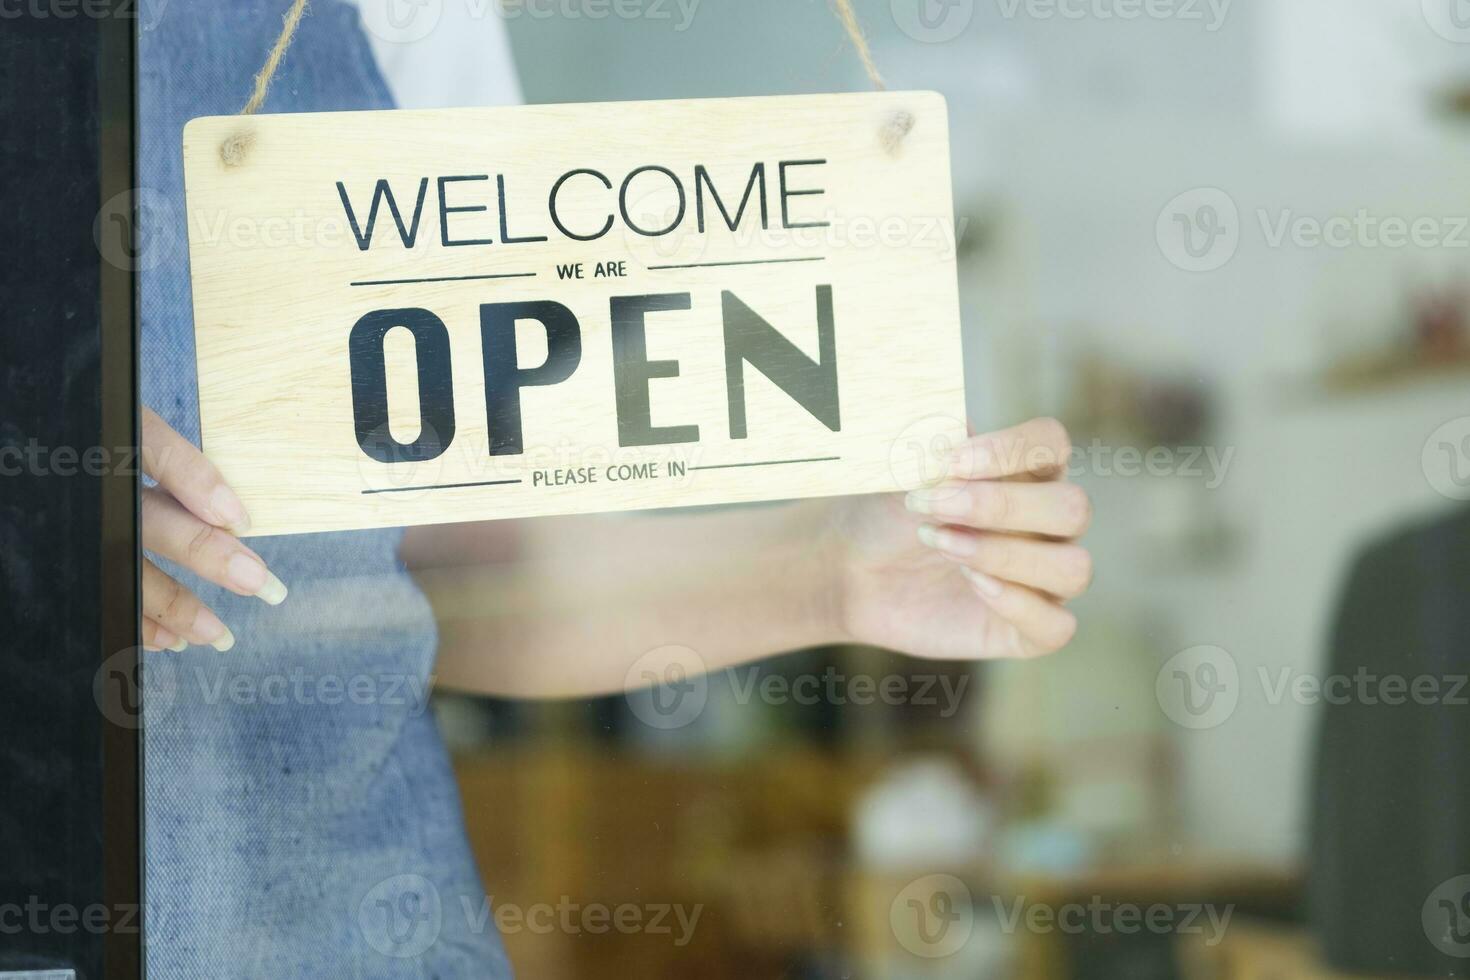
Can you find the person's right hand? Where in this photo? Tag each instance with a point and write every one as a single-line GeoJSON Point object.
{"type": "Point", "coordinates": [192, 517]}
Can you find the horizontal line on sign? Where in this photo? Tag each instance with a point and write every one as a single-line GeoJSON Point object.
{"type": "Point", "coordinates": [702, 265]}
{"type": "Point", "coordinates": [444, 486]}
{"type": "Point", "coordinates": [404, 282]}
{"type": "Point", "coordinates": [766, 462]}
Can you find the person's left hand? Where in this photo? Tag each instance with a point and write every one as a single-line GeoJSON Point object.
{"type": "Point", "coordinates": [978, 566]}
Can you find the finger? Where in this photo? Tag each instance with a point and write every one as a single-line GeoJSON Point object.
{"type": "Point", "coordinates": [1042, 625]}
{"type": "Point", "coordinates": [175, 533]}
{"type": "Point", "coordinates": [184, 472]}
{"type": "Point", "coordinates": [1059, 569]}
{"type": "Point", "coordinates": [1040, 446]}
{"type": "Point", "coordinates": [155, 637]}
{"type": "Point", "coordinates": [176, 609]}
{"type": "Point", "coordinates": [1060, 510]}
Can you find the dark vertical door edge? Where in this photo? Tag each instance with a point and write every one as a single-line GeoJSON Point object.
{"type": "Point", "coordinates": [70, 786]}
{"type": "Point", "coordinates": [122, 739]}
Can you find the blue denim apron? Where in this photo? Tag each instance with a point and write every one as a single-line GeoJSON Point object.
{"type": "Point", "coordinates": [302, 819]}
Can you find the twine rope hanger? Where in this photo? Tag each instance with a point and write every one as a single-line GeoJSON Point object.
{"type": "Point", "coordinates": [233, 150]}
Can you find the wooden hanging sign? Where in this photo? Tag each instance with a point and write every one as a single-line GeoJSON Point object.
{"type": "Point", "coordinates": [414, 317]}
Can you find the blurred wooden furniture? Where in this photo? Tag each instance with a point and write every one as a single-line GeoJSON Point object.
{"type": "Point", "coordinates": [759, 847]}
{"type": "Point", "coordinates": [1254, 950]}
{"type": "Point", "coordinates": [755, 845]}
{"type": "Point", "coordinates": [1057, 953]}
{"type": "Point", "coordinates": [1252, 888]}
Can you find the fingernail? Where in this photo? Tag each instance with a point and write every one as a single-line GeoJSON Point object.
{"type": "Point", "coordinates": [208, 628]}
{"type": "Point", "coordinates": [229, 510]}
{"type": "Point", "coordinates": [949, 543]}
{"type": "Point", "coordinates": [166, 639]}
{"type": "Point", "coordinates": [179, 645]}
{"type": "Point", "coordinates": [273, 593]}
{"type": "Point", "coordinates": [950, 501]}
{"type": "Point", "coordinates": [984, 584]}
{"type": "Point", "coordinates": [247, 573]}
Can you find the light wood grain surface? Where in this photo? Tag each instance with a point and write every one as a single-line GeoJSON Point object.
{"type": "Point", "coordinates": [280, 280]}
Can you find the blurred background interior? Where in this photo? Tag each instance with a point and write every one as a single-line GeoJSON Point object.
{"type": "Point", "coordinates": [1252, 411]}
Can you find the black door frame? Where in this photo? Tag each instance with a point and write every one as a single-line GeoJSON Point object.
{"type": "Point", "coordinates": [71, 883]}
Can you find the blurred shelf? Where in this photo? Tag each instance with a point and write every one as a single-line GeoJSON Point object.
{"type": "Point", "coordinates": [1375, 374]}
